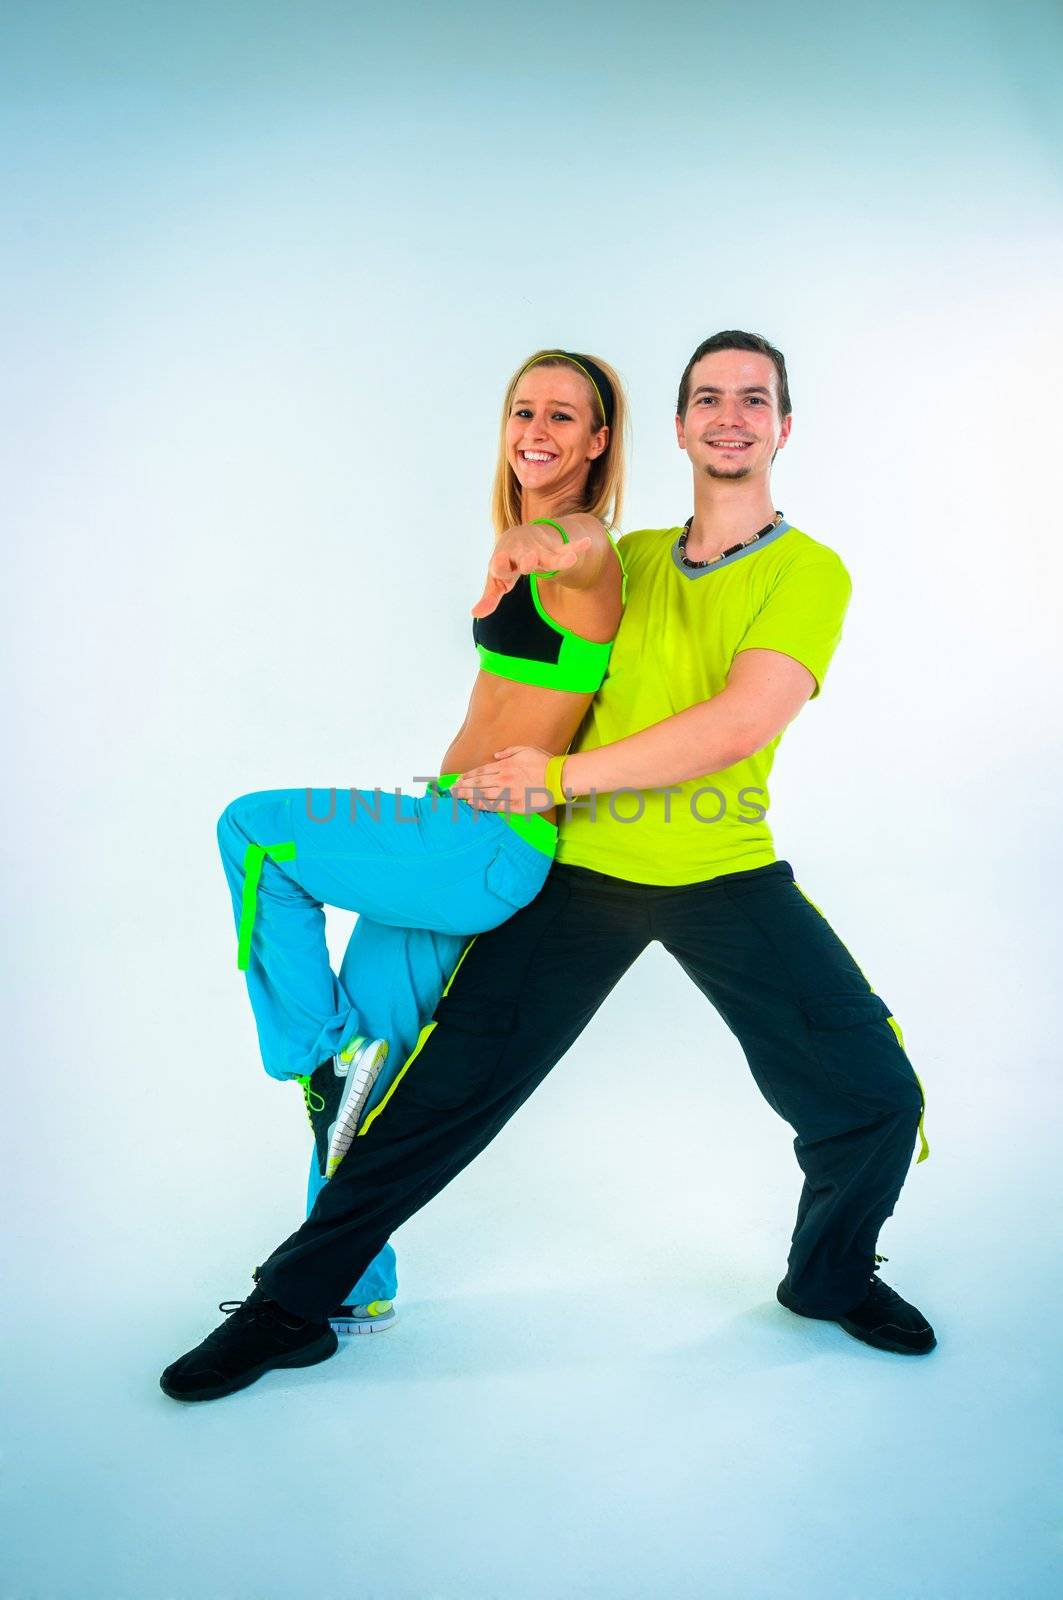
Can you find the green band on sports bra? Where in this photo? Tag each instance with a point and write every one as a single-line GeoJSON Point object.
{"type": "Point", "coordinates": [548, 522]}
{"type": "Point", "coordinates": [581, 664]}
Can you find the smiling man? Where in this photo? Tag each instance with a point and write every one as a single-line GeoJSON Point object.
{"type": "Point", "coordinates": [730, 624]}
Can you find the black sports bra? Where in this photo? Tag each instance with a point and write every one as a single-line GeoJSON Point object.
{"type": "Point", "coordinates": [522, 642]}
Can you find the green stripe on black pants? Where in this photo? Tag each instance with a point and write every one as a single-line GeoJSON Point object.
{"type": "Point", "coordinates": [815, 1035]}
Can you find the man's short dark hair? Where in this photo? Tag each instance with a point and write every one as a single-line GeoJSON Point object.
{"type": "Point", "coordinates": [735, 339]}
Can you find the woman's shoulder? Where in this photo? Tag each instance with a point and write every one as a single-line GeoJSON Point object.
{"type": "Point", "coordinates": [585, 525]}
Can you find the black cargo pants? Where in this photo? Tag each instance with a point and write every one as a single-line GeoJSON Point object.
{"type": "Point", "coordinates": [818, 1040]}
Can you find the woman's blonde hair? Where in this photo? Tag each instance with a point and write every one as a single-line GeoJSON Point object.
{"type": "Point", "coordinates": [604, 496]}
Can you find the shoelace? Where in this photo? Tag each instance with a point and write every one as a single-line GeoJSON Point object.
{"type": "Point", "coordinates": [266, 1313]}
{"type": "Point", "coordinates": [309, 1096]}
{"type": "Point", "coordinates": [878, 1291]}
{"type": "Point", "coordinates": [261, 1313]}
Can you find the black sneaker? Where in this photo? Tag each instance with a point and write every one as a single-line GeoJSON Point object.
{"type": "Point", "coordinates": [881, 1319]}
{"type": "Point", "coordinates": [257, 1335]}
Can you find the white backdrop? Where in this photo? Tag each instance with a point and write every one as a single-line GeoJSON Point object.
{"type": "Point", "coordinates": [267, 274]}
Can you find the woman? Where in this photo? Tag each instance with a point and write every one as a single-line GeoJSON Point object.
{"type": "Point", "coordinates": [425, 873]}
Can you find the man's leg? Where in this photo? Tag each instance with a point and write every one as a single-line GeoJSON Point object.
{"type": "Point", "coordinates": [421, 871]}
{"type": "Point", "coordinates": [519, 999]}
{"type": "Point", "coordinates": [819, 1043]}
{"type": "Point", "coordinates": [521, 996]}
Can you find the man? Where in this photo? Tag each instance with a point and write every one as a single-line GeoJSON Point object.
{"type": "Point", "coordinates": [729, 628]}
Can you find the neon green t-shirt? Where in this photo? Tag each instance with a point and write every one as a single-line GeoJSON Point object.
{"type": "Point", "coordinates": [678, 637]}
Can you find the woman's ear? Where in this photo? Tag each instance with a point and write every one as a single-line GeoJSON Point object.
{"type": "Point", "coordinates": [598, 445]}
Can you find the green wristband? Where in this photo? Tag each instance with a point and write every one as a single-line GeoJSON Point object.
{"type": "Point", "coordinates": [548, 522]}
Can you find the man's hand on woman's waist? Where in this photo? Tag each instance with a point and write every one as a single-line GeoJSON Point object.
{"type": "Point", "coordinates": [765, 690]}
{"type": "Point", "coordinates": [514, 781]}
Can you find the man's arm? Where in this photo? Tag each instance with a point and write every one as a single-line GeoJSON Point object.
{"type": "Point", "coordinates": [764, 692]}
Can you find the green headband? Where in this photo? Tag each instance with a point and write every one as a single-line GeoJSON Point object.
{"type": "Point", "coordinates": [598, 383]}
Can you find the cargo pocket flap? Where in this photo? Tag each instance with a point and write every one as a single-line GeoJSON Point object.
{"type": "Point", "coordinates": [482, 1017]}
{"type": "Point", "coordinates": [829, 1011]}
{"type": "Point", "coordinates": [509, 881]}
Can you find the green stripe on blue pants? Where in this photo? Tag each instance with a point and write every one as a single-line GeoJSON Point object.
{"type": "Point", "coordinates": [424, 872]}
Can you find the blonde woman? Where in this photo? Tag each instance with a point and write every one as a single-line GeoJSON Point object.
{"type": "Point", "coordinates": [427, 872]}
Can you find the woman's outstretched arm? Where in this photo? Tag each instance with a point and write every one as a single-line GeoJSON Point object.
{"type": "Point", "coordinates": [538, 547]}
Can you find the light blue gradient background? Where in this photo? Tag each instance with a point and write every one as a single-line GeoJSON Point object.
{"type": "Point", "coordinates": [266, 270]}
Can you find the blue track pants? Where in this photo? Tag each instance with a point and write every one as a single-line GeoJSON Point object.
{"type": "Point", "coordinates": [424, 873]}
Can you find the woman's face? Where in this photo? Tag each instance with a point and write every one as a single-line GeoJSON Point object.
{"type": "Point", "coordinates": [551, 434]}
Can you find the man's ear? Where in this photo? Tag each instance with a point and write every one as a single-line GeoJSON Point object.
{"type": "Point", "coordinates": [680, 432]}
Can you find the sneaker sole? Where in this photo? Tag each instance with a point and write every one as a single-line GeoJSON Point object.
{"type": "Point", "coordinates": [856, 1332]}
{"type": "Point", "coordinates": [351, 1327]}
{"type": "Point", "coordinates": [326, 1346]}
{"type": "Point", "coordinates": [884, 1343]}
{"type": "Point", "coordinates": [360, 1081]}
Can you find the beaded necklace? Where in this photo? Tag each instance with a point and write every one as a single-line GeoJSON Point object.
{"type": "Point", "coordinates": [732, 550]}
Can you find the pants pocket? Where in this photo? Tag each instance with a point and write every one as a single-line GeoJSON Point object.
{"type": "Point", "coordinates": [859, 1053]}
{"type": "Point", "coordinates": [466, 1043]}
{"type": "Point", "coordinates": [511, 882]}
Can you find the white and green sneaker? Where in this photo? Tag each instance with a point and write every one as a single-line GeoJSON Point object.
{"type": "Point", "coordinates": [373, 1318]}
{"type": "Point", "coordinates": [335, 1095]}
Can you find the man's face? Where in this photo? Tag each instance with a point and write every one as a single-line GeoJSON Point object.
{"type": "Point", "coordinates": [732, 426]}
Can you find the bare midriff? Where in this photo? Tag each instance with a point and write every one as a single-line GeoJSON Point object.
{"type": "Point", "coordinates": [503, 713]}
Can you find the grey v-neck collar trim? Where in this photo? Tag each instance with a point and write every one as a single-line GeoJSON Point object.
{"type": "Point", "coordinates": [728, 561]}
